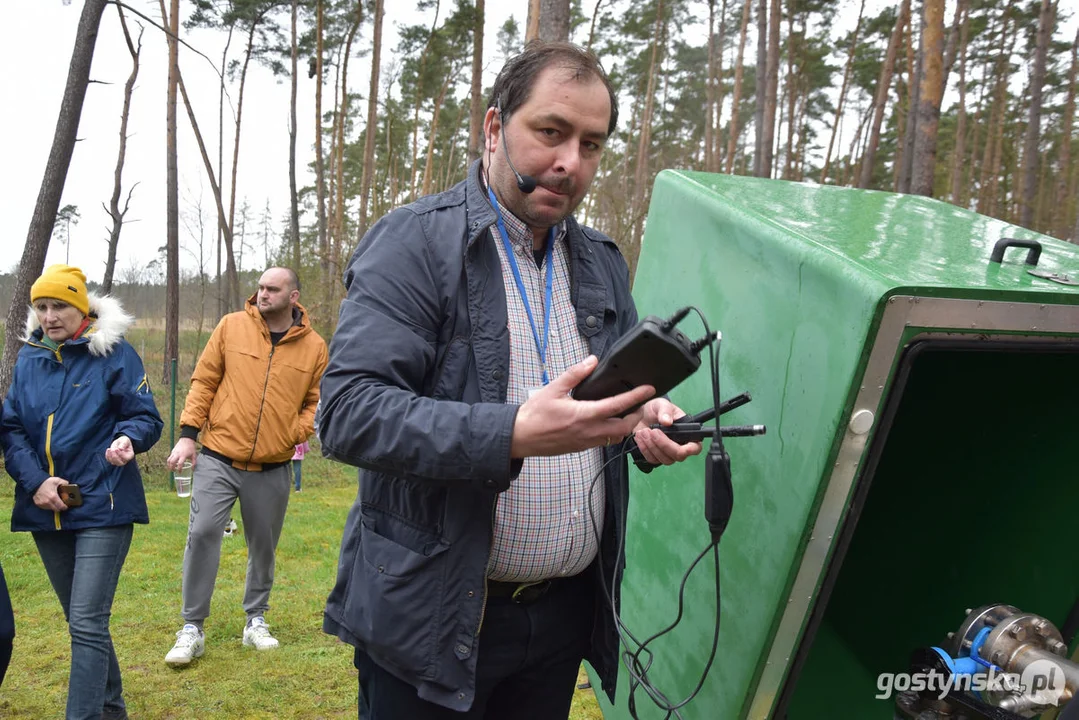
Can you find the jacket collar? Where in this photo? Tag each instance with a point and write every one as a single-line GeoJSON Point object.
{"type": "Point", "coordinates": [110, 322]}
{"type": "Point", "coordinates": [477, 205]}
{"type": "Point", "coordinates": [299, 318]}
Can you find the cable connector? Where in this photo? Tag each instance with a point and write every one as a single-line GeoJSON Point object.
{"type": "Point", "coordinates": [718, 491]}
{"type": "Point", "coordinates": [704, 342]}
{"type": "Point", "coordinates": [673, 320]}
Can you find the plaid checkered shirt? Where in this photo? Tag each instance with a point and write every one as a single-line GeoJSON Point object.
{"type": "Point", "coordinates": [543, 527]}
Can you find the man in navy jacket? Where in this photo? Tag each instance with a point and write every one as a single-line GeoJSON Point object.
{"type": "Point", "coordinates": [488, 508]}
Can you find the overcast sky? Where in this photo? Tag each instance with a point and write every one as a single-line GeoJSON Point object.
{"type": "Point", "coordinates": [36, 38]}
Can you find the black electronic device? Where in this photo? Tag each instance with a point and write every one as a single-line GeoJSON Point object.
{"type": "Point", "coordinates": [70, 494]}
{"type": "Point", "coordinates": [653, 353]}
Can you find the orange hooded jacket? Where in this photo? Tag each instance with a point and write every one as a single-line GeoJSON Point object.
{"type": "Point", "coordinates": [254, 401]}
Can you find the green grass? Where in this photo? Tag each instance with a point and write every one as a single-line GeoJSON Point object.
{"type": "Point", "coordinates": [310, 676]}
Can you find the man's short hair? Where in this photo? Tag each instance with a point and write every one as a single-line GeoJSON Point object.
{"type": "Point", "coordinates": [514, 83]}
{"type": "Point", "coordinates": [293, 277]}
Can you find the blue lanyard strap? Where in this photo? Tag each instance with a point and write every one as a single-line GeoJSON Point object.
{"type": "Point", "coordinates": [541, 348]}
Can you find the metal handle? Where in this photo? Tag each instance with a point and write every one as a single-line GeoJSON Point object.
{"type": "Point", "coordinates": [1003, 244]}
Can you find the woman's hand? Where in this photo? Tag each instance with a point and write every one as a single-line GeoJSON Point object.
{"type": "Point", "coordinates": [47, 497]}
{"type": "Point", "coordinates": [120, 453]}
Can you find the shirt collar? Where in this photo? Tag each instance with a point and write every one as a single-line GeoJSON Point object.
{"type": "Point", "coordinates": [519, 233]}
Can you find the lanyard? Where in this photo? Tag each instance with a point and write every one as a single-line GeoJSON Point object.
{"type": "Point", "coordinates": [541, 349]}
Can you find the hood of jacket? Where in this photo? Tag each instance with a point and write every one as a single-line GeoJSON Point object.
{"type": "Point", "coordinates": [110, 322]}
{"type": "Point", "coordinates": [301, 324]}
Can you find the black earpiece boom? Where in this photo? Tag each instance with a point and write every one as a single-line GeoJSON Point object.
{"type": "Point", "coordinates": [525, 183]}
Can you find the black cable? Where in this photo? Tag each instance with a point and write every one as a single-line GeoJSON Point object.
{"type": "Point", "coordinates": [638, 662]}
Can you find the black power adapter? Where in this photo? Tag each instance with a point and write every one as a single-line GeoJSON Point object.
{"type": "Point", "coordinates": [653, 353]}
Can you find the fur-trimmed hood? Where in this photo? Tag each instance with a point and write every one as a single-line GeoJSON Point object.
{"type": "Point", "coordinates": [110, 322]}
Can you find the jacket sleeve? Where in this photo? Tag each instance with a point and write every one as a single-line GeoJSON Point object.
{"type": "Point", "coordinates": [130, 391]}
{"type": "Point", "coordinates": [310, 401]}
{"type": "Point", "coordinates": [373, 414]}
{"type": "Point", "coordinates": [205, 380]}
{"type": "Point", "coordinates": [20, 458]}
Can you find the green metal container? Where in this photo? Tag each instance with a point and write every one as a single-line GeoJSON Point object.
{"type": "Point", "coordinates": [922, 405]}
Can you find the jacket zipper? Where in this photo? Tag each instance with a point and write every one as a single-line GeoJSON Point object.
{"type": "Point", "coordinates": [262, 404]}
{"type": "Point", "coordinates": [52, 465]}
{"type": "Point", "coordinates": [48, 433]}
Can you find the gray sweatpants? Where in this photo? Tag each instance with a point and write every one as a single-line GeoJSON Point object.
{"type": "Point", "coordinates": [263, 500]}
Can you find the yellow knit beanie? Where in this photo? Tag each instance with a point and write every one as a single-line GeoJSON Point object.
{"type": "Point", "coordinates": [62, 282]}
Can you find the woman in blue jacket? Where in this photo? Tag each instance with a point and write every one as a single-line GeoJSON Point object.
{"type": "Point", "coordinates": [78, 410]}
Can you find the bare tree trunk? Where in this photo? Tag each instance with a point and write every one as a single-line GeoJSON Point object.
{"type": "Point", "coordinates": [1042, 198]}
{"type": "Point", "coordinates": [855, 141]}
{"type": "Point", "coordinates": [548, 20]}
{"type": "Point", "coordinates": [718, 84]}
{"type": "Point", "coordinates": [904, 111]}
{"type": "Point", "coordinates": [115, 213]}
{"type": "Point", "coordinates": [803, 133]}
{"type": "Point", "coordinates": [732, 128]}
{"type": "Point", "coordinates": [771, 91]}
{"type": "Point", "coordinates": [1064, 191]}
{"type": "Point", "coordinates": [960, 153]}
{"type": "Point", "coordinates": [710, 87]}
{"type": "Point", "coordinates": [792, 93]}
{"type": "Point", "coordinates": [52, 183]}
{"type": "Point", "coordinates": [222, 226]}
{"type": "Point", "coordinates": [419, 101]}
{"type": "Point", "coordinates": [340, 120]}
{"type": "Point", "coordinates": [843, 92]}
{"type": "Point", "coordinates": [320, 165]}
{"type": "Point", "coordinates": [995, 116]}
{"type": "Point", "coordinates": [645, 138]}
{"type": "Point", "coordinates": [294, 198]}
{"type": "Point", "coordinates": [428, 170]}
{"type": "Point", "coordinates": [882, 94]}
{"type": "Point", "coordinates": [929, 97]}
{"type": "Point", "coordinates": [1033, 135]}
{"type": "Point", "coordinates": [230, 263]}
{"type": "Point", "coordinates": [172, 211]}
{"type": "Point", "coordinates": [762, 86]}
{"type": "Point", "coordinates": [911, 130]}
{"type": "Point", "coordinates": [234, 292]}
{"type": "Point", "coordinates": [476, 109]}
{"type": "Point", "coordinates": [998, 143]}
{"type": "Point", "coordinates": [592, 28]}
{"type": "Point", "coordinates": [372, 122]}
{"type": "Point", "coordinates": [953, 37]}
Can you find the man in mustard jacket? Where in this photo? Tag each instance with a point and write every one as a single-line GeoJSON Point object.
{"type": "Point", "coordinates": [253, 397]}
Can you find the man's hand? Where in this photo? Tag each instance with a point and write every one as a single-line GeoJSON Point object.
{"type": "Point", "coordinates": [184, 450]}
{"type": "Point", "coordinates": [552, 423]}
{"type": "Point", "coordinates": [120, 453]}
{"type": "Point", "coordinates": [47, 497]}
{"type": "Point", "coordinates": [657, 448]}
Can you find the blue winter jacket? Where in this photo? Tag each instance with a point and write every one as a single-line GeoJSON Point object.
{"type": "Point", "coordinates": [415, 396]}
{"type": "Point", "coordinates": [64, 409]}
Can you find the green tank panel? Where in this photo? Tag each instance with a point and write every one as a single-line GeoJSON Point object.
{"type": "Point", "coordinates": [909, 386]}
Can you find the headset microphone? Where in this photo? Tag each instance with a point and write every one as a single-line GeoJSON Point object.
{"type": "Point", "coordinates": [525, 183]}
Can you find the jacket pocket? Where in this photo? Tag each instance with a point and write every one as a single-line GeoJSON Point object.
{"type": "Point", "coordinates": [395, 596]}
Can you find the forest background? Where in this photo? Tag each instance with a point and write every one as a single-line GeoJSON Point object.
{"type": "Point", "coordinates": [968, 101]}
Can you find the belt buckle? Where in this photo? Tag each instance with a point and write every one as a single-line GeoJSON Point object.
{"type": "Point", "coordinates": [529, 592]}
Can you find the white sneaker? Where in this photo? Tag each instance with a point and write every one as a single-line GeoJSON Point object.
{"type": "Point", "coordinates": [257, 635]}
{"type": "Point", "coordinates": [190, 644]}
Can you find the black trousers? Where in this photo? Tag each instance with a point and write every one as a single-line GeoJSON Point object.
{"type": "Point", "coordinates": [529, 657]}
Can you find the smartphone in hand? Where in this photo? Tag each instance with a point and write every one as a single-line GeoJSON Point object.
{"type": "Point", "coordinates": [70, 494]}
